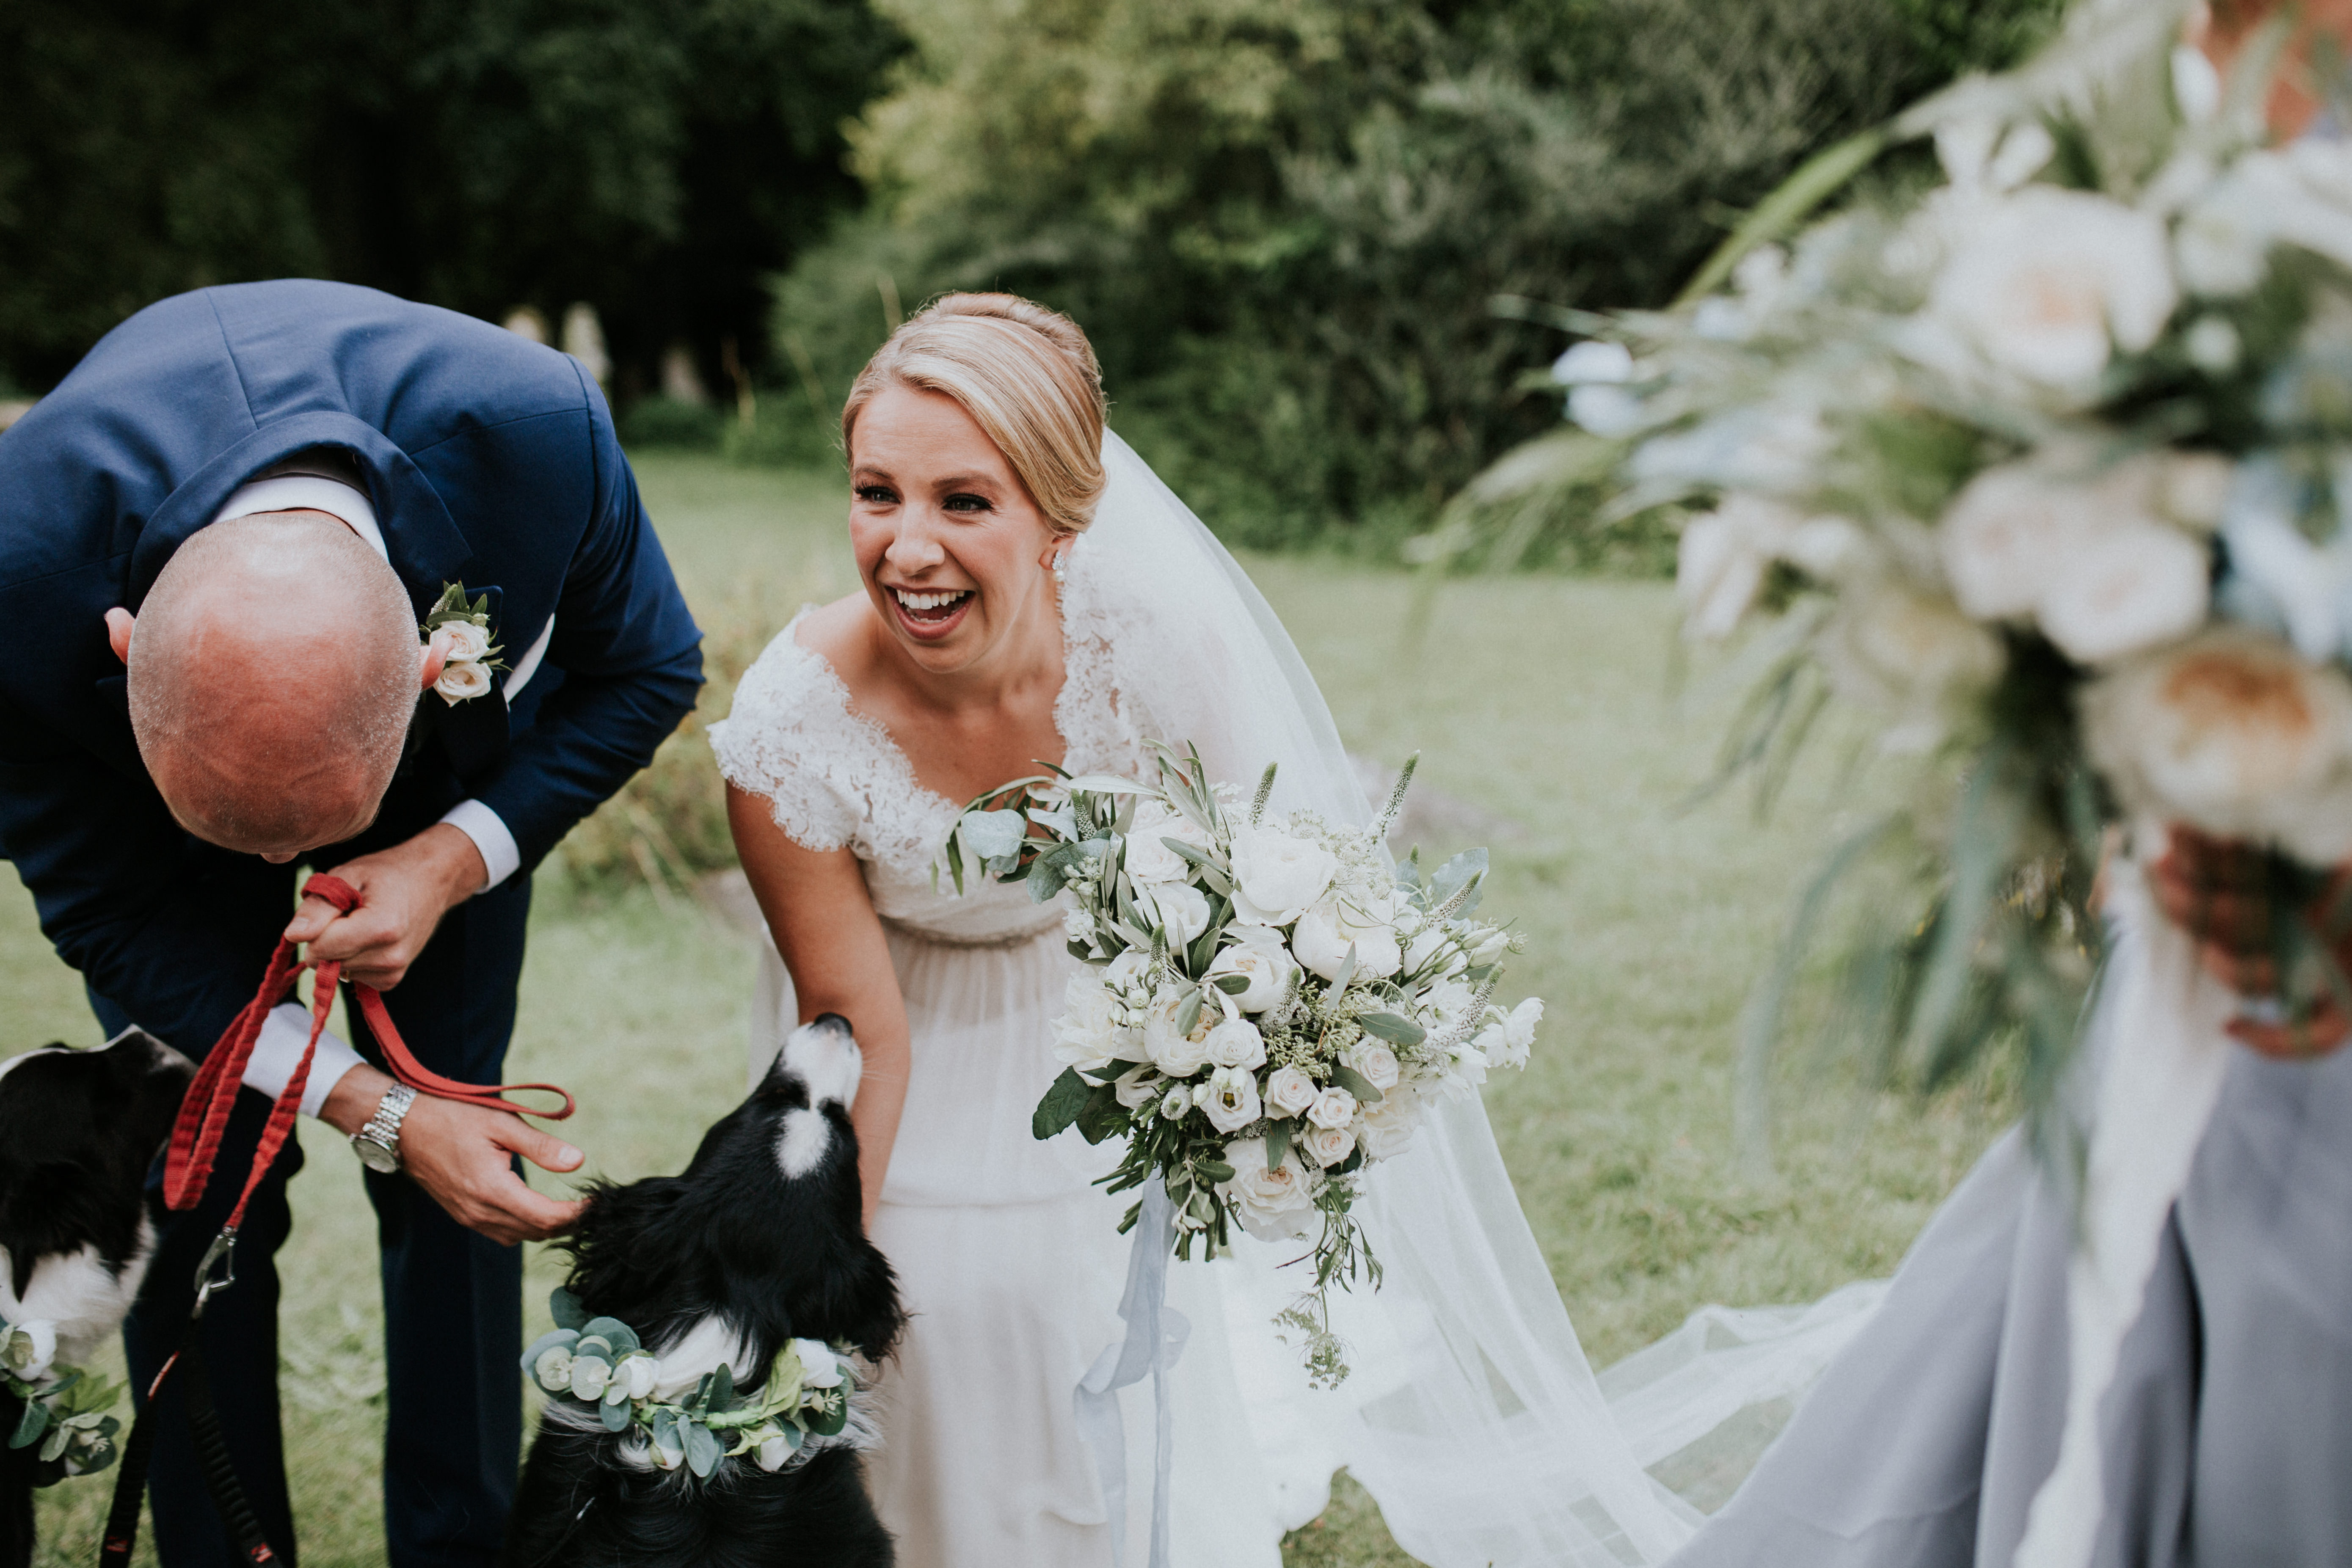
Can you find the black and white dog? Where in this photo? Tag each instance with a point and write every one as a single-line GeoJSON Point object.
{"type": "Point", "coordinates": [759, 1242]}
{"type": "Point", "coordinates": [77, 1132]}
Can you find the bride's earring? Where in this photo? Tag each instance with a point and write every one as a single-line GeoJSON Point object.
{"type": "Point", "coordinates": [1061, 578]}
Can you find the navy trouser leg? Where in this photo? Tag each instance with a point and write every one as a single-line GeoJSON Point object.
{"type": "Point", "coordinates": [240, 1345]}
{"type": "Point", "coordinates": [452, 1299]}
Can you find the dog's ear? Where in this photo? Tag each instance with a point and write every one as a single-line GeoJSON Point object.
{"type": "Point", "coordinates": [34, 1219]}
{"type": "Point", "coordinates": [864, 1306]}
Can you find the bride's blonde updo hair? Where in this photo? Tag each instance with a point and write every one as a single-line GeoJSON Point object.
{"type": "Point", "coordinates": [1026, 375]}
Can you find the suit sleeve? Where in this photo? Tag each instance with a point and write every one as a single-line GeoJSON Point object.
{"type": "Point", "coordinates": [632, 663]}
{"type": "Point", "coordinates": [172, 930]}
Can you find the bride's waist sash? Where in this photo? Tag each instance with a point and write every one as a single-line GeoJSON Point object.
{"type": "Point", "coordinates": [1006, 942]}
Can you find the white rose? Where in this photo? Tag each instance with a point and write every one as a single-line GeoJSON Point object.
{"type": "Point", "coordinates": [820, 1367]}
{"type": "Point", "coordinates": [1332, 1108]}
{"type": "Point", "coordinates": [1127, 968]}
{"type": "Point", "coordinates": [461, 642]}
{"type": "Point", "coordinates": [589, 1375]}
{"type": "Point", "coordinates": [1326, 932]}
{"type": "Point", "coordinates": [636, 1376]}
{"type": "Point", "coordinates": [1328, 1146]}
{"type": "Point", "coordinates": [1149, 858]}
{"type": "Point", "coordinates": [1266, 964]}
{"type": "Point", "coordinates": [1177, 1054]}
{"type": "Point", "coordinates": [2126, 589]}
{"type": "Point", "coordinates": [1137, 1088]}
{"type": "Point", "coordinates": [1289, 1092]}
{"type": "Point", "coordinates": [773, 1452]}
{"type": "Point", "coordinates": [27, 1349]}
{"type": "Point", "coordinates": [1230, 1099]}
{"type": "Point", "coordinates": [1373, 1059]}
{"type": "Point", "coordinates": [667, 1455]}
{"type": "Point", "coordinates": [462, 682]}
{"type": "Point", "coordinates": [1088, 1035]}
{"type": "Point", "coordinates": [1277, 875]}
{"type": "Point", "coordinates": [2236, 735]}
{"type": "Point", "coordinates": [1387, 1127]}
{"type": "Point", "coordinates": [1179, 907]}
{"type": "Point", "coordinates": [1236, 1043]}
{"type": "Point", "coordinates": [2047, 282]}
{"type": "Point", "coordinates": [1909, 655]}
{"type": "Point", "coordinates": [1997, 537]}
{"type": "Point", "coordinates": [1273, 1205]}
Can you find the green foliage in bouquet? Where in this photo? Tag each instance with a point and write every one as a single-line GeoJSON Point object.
{"type": "Point", "coordinates": [65, 1416]}
{"type": "Point", "coordinates": [2047, 470]}
{"type": "Point", "coordinates": [1267, 1008]}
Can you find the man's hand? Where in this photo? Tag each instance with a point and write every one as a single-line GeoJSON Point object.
{"type": "Point", "coordinates": [2221, 894]}
{"type": "Point", "coordinates": [460, 1155]}
{"type": "Point", "coordinates": [404, 892]}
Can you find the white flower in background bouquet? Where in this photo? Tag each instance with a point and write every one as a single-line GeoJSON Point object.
{"type": "Point", "coordinates": [2048, 469]}
{"type": "Point", "coordinates": [1268, 1003]}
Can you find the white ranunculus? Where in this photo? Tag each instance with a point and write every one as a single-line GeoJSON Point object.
{"type": "Point", "coordinates": [820, 1367]}
{"type": "Point", "coordinates": [461, 642]}
{"type": "Point", "coordinates": [1377, 1062]}
{"type": "Point", "coordinates": [1229, 1097]}
{"type": "Point", "coordinates": [463, 682]}
{"type": "Point", "coordinates": [1386, 1128]}
{"type": "Point", "coordinates": [1277, 875]}
{"type": "Point", "coordinates": [1088, 1035]}
{"type": "Point", "coordinates": [1177, 1054]}
{"type": "Point", "coordinates": [1137, 1086]}
{"type": "Point", "coordinates": [1179, 907]}
{"type": "Point", "coordinates": [1236, 1043]}
{"type": "Point", "coordinates": [2047, 283]}
{"type": "Point", "coordinates": [1149, 858]}
{"type": "Point", "coordinates": [1328, 1146]}
{"type": "Point", "coordinates": [1910, 656]}
{"type": "Point", "coordinates": [27, 1349]}
{"type": "Point", "coordinates": [1332, 1108]}
{"type": "Point", "coordinates": [1289, 1091]}
{"type": "Point", "coordinates": [2126, 589]}
{"type": "Point", "coordinates": [1266, 965]}
{"type": "Point", "coordinates": [589, 1375]}
{"type": "Point", "coordinates": [553, 1370]}
{"type": "Point", "coordinates": [1275, 1204]}
{"type": "Point", "coordinates": [2235, 735]}
{"type": "Point", "coordinates": [1366, 922]}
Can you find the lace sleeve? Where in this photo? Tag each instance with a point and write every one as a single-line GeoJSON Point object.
{"type": "Point", "coordinates": [782, 739]}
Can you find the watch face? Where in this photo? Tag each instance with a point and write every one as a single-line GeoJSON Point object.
{"type": "Point", "coordinates": [375, 1156]}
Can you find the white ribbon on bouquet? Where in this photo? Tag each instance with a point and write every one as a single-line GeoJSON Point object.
{"type": "Point", "coordinates": [1155, 1338]}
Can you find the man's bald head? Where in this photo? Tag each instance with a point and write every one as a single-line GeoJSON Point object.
{"type": "Point", "coordinates": [274, 671]}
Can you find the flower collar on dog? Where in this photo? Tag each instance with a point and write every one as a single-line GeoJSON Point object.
{"type": "Point", "coordinates": [65, 1409]}
{"type": "Point", "coordinates": [462, 631]}
{"type": "Point", "coordinates": [598, 1365]}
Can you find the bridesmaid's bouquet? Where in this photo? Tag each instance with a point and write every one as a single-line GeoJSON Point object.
{"type": "Point", "coordinates": [2049, 470]}
{"type": "Point", "coordinates": [1267, 1006]}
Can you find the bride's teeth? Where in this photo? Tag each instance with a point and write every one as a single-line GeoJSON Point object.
{"type": "Point", "coordinates": [927, 601]}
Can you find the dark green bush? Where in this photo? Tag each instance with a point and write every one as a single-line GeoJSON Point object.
{"type": "Point", "coordinates": [672, 422]}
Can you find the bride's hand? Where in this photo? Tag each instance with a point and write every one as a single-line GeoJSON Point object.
{"type": "Point", "coordinates": [2219, 891]}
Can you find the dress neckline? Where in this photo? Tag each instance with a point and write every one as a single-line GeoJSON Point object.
{"type": "Point", "coordinates": [885, 742]}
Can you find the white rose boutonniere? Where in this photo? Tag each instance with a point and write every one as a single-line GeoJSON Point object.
{"type": "Point", "coordinates": [460, 628]}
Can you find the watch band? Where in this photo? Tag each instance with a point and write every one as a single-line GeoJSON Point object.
{"type": "Point", "coordinates": [383, 1129]}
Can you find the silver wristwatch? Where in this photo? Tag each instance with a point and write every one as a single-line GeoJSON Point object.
{"type": "Point", "coordinates": [378, 1144]}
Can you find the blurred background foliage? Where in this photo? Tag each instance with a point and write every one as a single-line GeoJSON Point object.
{"type": "Point", "coordinates": [1284, 222]}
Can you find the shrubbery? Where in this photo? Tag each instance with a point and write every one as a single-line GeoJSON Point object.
{"type": "Point", "coordinates": [1283, 222]}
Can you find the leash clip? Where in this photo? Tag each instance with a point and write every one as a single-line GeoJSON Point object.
{"type": "Point", "coordinates": [223, 1251]}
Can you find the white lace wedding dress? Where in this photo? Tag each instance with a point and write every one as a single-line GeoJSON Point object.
{"type": "Point", "coordinates": [1472, 1415]}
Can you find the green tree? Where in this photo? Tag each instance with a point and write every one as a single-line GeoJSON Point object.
{"type": "Point", "coordinates": [655, 157]}
{"type": "Point", "coordinates": [1284, 221]}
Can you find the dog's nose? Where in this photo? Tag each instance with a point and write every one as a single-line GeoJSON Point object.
{"type": "Point", "coordinates": [833, 1021]}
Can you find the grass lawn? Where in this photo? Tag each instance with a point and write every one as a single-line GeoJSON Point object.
{"type": "Point", "coordinates": [1545, 701]}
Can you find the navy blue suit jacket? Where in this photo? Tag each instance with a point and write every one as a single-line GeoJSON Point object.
{"type": "Point", "coordinates": [491, 460]}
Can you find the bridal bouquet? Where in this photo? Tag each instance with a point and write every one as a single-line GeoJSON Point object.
{"type": "Point", "coordinates": [65, 1416]}
{"type": "Point", "coordinates": [1267, 1006]}
{"type": "Point", "coordinates": [2049, 470]}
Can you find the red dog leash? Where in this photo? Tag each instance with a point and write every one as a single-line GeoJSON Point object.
{"type": "Point", "coordinates": [187, 1170]}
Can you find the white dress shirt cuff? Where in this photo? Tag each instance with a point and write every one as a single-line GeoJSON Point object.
{"type": "Point", "coordinates": [278, 1051]}
{"type": "Point", "coordinates": [480, 824]}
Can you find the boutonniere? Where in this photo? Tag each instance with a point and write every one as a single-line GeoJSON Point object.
{"type": "Point", "coordinates": [461, 630]}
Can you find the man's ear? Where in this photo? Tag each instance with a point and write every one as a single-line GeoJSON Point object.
{"type": "Point", "coordinates": [118, 632]}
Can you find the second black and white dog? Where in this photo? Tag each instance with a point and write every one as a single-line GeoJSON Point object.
{"type": "Point", "coordinates": [79, 1130]}
{"type": "Point", "coordinates": [759, 1241]}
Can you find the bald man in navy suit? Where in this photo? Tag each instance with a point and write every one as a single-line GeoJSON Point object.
{"type": "Point", "coordinates": [218, 537]}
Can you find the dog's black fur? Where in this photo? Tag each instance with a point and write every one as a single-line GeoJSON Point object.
{"type": "Point", "coordinates": [79, 1130]}
{"type": "Point", "coordinates": [774, 1256]}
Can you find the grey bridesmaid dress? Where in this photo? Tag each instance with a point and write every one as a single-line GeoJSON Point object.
{"type": "Point", "coordinates": [2227, 1432]}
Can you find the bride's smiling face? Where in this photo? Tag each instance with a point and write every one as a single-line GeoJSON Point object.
{"type": "Point", "coordinates": [954, 552]}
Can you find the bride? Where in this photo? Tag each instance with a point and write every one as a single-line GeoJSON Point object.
{"type": "Point", "coordinates": [1032, 592]}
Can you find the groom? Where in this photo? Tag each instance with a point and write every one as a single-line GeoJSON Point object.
{"type": "Point", "coordinates": [217, 538]}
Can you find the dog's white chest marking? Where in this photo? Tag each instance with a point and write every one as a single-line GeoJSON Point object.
{"type": "Point", "coordinates": [807, 1135]}
{"type": "Point", "coordinates": [78, 1292]}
